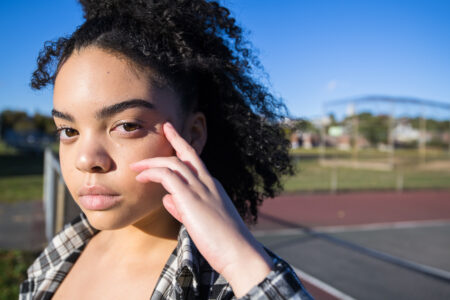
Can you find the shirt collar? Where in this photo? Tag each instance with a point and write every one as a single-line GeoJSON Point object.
{"type": "Point", "coordinates": [73, 238]}
{"type": "Point", "coordinates": [188, 260]}
{"type": "Point", "coordinates": [75, 235]}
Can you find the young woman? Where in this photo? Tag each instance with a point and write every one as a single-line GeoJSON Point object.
{"type": "Point", "coordinates": [166, 143]}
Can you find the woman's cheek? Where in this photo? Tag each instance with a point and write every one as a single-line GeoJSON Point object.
{"type": "Point", "coordinates": [149, 147]}
{"type": "Point", "coordinates": [153, 145]}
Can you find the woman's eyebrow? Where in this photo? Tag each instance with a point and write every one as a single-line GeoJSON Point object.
{"type": "Point", "coordinates": [109, 111]}
{"type": "Point", "coordinates": [61, 115]}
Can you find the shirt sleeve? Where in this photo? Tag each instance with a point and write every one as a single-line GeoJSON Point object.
{"type": "Point", "coordinates": [281, 283]}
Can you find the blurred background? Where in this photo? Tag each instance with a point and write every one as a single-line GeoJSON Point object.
{"type": "Point", "coordinates": [366, 83]}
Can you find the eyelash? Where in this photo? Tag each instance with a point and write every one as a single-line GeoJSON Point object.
{"type": "Point", "coordinates": [137, 126]}
{"type": "Point", "coordinates": [61, 130]}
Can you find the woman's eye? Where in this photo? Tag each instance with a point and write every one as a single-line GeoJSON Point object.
{"type": "Point", "coordinates": [128, 127]}
{"type": "Point", "coordinates": [128, 130]}
{"type": "Point", "coordinates": [66, 133]}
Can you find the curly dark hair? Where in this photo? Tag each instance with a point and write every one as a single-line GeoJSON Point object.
{"type": "Point", "coordinates": [197, 48]}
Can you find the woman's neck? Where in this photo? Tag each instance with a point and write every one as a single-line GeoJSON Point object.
{"type": "Point", "coordinates": [152, 235]}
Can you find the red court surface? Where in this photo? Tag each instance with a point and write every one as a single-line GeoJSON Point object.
{"type": "Point", "coordinates": [316, 292]}
{"type": "Point", "coordinates": [356, 208]}
{"type": "Point", "coordinates": [347, 209]}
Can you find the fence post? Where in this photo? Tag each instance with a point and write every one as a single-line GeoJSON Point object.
{"type": "Point", "coordinates": [400, 182]}
{"type": "Point", "coordinates": [60, 205]}
{"type": "Point", "coordinates": [334, 180]}
{"type": "Point", "coordinates": [49, 194]}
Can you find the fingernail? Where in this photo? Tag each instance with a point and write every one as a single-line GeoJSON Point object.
{"type": "Point", "coordinates": [136, 166]}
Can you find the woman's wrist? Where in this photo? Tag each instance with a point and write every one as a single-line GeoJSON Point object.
{"type": "Point", "coordinates": [249, 269]}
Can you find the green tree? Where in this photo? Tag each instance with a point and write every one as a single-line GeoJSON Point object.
{"type": "Point", "coordinates": [44, 123]}
{"type": "Point", "coordinates": [374, 128]}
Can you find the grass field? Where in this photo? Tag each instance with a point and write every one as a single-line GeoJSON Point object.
{"type": "Point", "coordinates": [13, 266]}
{"type": "Point", "coordinates": [20, 177]}
{"type": "Point", "coordinates": [21, 188]}
{"type": "Point", "coordinates": [5, 149]}
{"type": "Point", "coordinates": [311, 177]}
{"type": "Point", "coordinates": [412, 168]}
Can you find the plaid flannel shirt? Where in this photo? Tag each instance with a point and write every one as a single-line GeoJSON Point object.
{"type": "Point", "coordinates": [186, 274]}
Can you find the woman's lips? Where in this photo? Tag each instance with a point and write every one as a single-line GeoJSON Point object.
{"type": "Point", "coordinates": [98, 202]}
{"type": "Point", "coordinates": [98, 198]}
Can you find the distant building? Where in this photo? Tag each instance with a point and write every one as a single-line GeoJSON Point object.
{"type": "Point", "coordinates": [405, 133]}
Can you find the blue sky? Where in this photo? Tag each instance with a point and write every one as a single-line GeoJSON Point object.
{"type": "Point", "coordinates": [313, 51]}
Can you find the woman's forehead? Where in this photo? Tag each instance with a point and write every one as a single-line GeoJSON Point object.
{"type": "Point", "coordinates": [96, 78]}
{"type": "Point", "coordinates": [95, 69]}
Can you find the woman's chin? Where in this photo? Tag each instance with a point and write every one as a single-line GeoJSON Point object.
{"type": "Point", "coordinates": [103, 220]}
{"type": "Point", "coordinates": [119, 217]}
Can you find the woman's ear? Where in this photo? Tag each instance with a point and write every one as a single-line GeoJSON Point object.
{"type": "Point", "coordinates": [195, 131]}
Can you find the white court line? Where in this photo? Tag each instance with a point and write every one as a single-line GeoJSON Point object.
{"type": "Point", "coordinates": [381, 226]}
{"type": "Point", "coordinates": [362, 227]}
{"type": "Point", "coordinates": [322, 285]}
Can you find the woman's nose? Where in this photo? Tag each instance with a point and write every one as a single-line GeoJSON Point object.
{"type": "Point", "coordinates": [93, 158]}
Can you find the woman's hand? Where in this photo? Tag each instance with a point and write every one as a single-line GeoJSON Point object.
{"type": "Point", "coordinates": [199, 201]}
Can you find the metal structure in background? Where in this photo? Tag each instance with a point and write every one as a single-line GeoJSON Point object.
{"type": "Point", "coordinates": [59, 207]}
{"type": "Point", "coordinates": [395, 108]}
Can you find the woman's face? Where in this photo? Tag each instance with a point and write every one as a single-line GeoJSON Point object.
{"type": "Point", "coordinates": [109, 116]}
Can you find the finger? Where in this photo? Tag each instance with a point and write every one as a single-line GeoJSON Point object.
{"type": "Point", "coordinates": [169, 204]}
{"type": "Point", "coordinates": [171, 162]}
{"type": "Point", "coordinates": [182, 169]}
{"type": "Point", "coordinates": [184, 151]}
{"type": "Point", "coordinates": [169, 180]}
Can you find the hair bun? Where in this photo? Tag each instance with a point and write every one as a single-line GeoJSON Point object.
{"type": "Point", "coordinates": [93, 9]}
{"type": "Point", "coordinates": [102, 8]}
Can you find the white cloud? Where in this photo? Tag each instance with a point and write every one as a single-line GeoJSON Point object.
{"type": "Point", "coordinates": [332, 85]}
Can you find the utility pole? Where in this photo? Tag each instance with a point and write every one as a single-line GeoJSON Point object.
{"type": "Point", "coordinates": [355, 125]}
{"type": "Point", "coordinates": [1, 122]}
{"type": "Point", "coordinates": [423, 138]}
{"type": "Point", "coordinates": [322, 136]}
{"type": "Point", "coordinates": [391, 137]}
{"type": "Point", "coordinates": [449, 136]}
